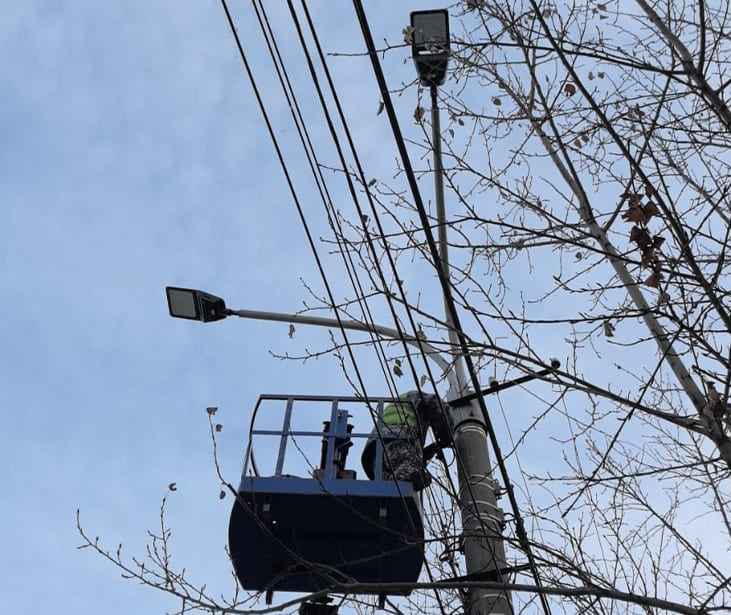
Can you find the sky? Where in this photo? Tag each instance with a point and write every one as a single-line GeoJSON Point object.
{"type": "Point", "coordinates": [133, 157]}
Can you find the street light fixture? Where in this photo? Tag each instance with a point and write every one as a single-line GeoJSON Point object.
{"type": "Point", "coordinates": [430, 45]}
{"type": "Point", "coordinates": [195, 304]}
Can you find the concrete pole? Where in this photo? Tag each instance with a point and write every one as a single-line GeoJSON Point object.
{"type": "Point", "coordinates": [482, 519]}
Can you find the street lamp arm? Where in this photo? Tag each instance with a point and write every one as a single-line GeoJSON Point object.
{"type": "Point", "coordinates": [354, 325]}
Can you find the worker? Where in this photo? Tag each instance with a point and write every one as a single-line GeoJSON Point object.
{"type": "Point", "coordinates": [402, 430]}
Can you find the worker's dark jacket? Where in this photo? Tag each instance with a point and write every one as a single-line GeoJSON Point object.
{"type": "Point", "coordinates": [402, 430]}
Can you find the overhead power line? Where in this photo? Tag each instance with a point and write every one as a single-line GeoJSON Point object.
{"type": "Point", "coordinates": [292, 189]}
{"type": "Point", "coordinates": [446, 289]}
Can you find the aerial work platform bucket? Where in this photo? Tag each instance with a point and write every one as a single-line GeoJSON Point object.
{"type": "Point", "coordinates": [327, 528]}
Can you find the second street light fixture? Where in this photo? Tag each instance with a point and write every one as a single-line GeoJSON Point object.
{"type": "Point", "coordinates": [194, 304]}
{"type": "Point", "coordinates": [430, 45]}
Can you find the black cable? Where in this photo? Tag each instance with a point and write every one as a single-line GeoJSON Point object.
{"type": "Point", "coordinates": [362, 176]}
{"type": "Point", "coordinates": [291, 98]}
{"type": "Point", "coordinates": [351, 187]}
{"type": "Point", "coordinates": [316, 171]}
{"type": "Point", "coordinates": [304, 137]}
{"type": "Point", "coordinates": [374, 212]}
{"type": "Point", "coordinates": [289, 182]}
{"type": "Point", "coordinates": [290, 185]}
{"type": "Point", "coordinates": [405, 302]}
{"type": "Point", "coordinates": [446, 286]}
{"type": "Point", "coordinates": [446, 289]}
{"type": "Point", "coordinates": [295, 198]}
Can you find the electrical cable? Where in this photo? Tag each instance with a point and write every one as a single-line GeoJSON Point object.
{"type": "Point", "coordinates": [425, 224]}
{"type": "Point", "coordinates": [288, 178]}
{"type": "Point", "coordinates": [460, 462]}
{"type": "Point", "coordinates": [374, 212]}
{"type": "Point", "coordinates": [446, 289]}
{"type": "Point", "coordinates": [290, 185]}
{"type": "Point", "coordinates": [376, 262]}
{"type": "Point", "coordinates": [304, 137]}
{"type": "Point", "coordinates": [354, 153]}
{"type": "Point", "coordinates": [316, 170]}
{"type": "Point", "coordinates": [397, 278]}
{"type": "Point", "coordinates": [294, 195]}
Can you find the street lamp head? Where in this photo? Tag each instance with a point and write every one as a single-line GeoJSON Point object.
{"type": "Point", "coordinates": [430, 45]}
{"type": "Point", "coordinates": [195, 304]}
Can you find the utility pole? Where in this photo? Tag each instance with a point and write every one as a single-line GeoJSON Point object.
{"type": "Point", "coordinates": [482, 519]}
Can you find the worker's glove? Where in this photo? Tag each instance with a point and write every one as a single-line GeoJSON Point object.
{"type": "Point", "coordinates": [420, 480]}
{"type": "Point", "coordinates": [432, 413]}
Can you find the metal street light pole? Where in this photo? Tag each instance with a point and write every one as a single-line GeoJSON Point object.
{"type": "Point", "coordinates": [482, 519]}
{"type": "Point", "coordinates": [353, 325]}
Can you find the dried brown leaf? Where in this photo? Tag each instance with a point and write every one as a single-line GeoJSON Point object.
{"type": "Point", "coordinates": [650, 210]}
{"type": "Point", "coordinates": [608, 329]}
{"type": "Point", "coordinates": [653, 281]}
{"type": "Point", "coordinates": [641, 237]}
{"type": "Point", "coordinates": [631, 197]}
{"type": "Point", "coordinates": [635, 214]}
{"type": "Point", "coordinates": [397, 368]}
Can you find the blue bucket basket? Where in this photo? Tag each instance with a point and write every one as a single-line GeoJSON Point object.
{"type": "Point", "coordinates": [328, 528]}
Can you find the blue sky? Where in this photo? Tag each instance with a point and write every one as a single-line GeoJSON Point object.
{"type": "Point", "coordinates": [132, 158]}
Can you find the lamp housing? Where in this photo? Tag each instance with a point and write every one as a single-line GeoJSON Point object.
{"type": "Point", "coordinates": [430, 45]}
{"type": "Point", "coordinates": [195, 304]}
